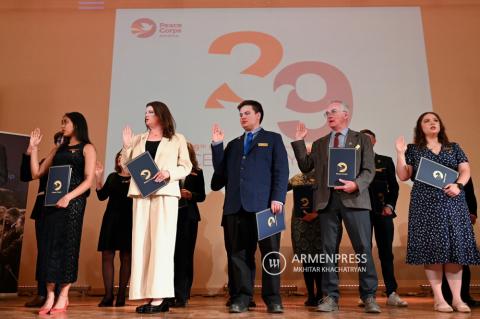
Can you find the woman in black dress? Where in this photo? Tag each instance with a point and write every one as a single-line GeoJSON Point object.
{"type": "Point", "coordinates": [440, 233]}
{"type": "Point", "coordinates": [192, 191]}
{"type": "Point", "coordinates": [62, 226]}
{"type": "Point", "coordinates": [116, 230]}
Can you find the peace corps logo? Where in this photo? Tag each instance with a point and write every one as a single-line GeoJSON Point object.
{"type": "Point", "coordinates": [274, 263]}
{"type": "Point", "coordinates": [342, 167]}
{"type": "Point", "coordinates": [143, 28]}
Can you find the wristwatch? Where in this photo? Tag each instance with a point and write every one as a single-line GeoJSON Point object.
{"type": "Point", "coordinates": [460, 185]}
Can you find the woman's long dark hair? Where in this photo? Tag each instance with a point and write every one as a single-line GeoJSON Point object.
{"type": "Point", "coordinates": [419, 136]}
{"type": "Point", "coordinates": [193, 156]}
{"type": "Point", "coordinates": [166, 119]}
{"type": "Point", "coordinates": [80, 127]}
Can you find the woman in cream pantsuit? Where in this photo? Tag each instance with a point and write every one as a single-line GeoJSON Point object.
{"type": "Point", "coordinates": [155, 217]}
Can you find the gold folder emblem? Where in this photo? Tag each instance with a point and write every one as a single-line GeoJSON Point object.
{"type": "Point", "coordinates": [146, 174]}
{"type": "Point", "coordinates": [437, 175]}
{"type": "Point", "coordinates": [342, 167]}
{"type": "Point", "coordinates": [57, 186]}
{"type": "Point", "coordinates": [263, 144]}
{"type": "Point", "coordinates": [272, 220]}
{"type": "Point", "coordinates": [304, 202]}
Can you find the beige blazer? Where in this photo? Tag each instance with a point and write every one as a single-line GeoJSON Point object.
{"type": "Point", "coordinates": [172, 156]}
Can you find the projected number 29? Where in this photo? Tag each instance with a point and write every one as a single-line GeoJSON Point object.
{"type": "Point", "coordinates": [271, 54]}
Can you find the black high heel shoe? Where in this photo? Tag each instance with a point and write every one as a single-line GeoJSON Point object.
{"type": "Point", "coordinates": [120, 302]}
{"type": "Point", "coordinates": [163, 307]}
{"type": "Point", "coordinates": [106, 302]}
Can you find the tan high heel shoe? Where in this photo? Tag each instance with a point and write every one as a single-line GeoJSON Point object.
{"type": "Point", "coordinates": [461, 307]}
{"type": "Point", "coordinates": [443, 307]}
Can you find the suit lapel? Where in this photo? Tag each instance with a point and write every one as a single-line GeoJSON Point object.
{"type": "Point", "coordinates": [143, 140]}
{"type": "Point", "coordinates": [352, 139]}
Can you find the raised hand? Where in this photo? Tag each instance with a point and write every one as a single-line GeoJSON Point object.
{"type": "Point", "coordinates": [301, 131]}
{"type": "Point", "coordinates": [127, 136]}
{"type": "Point", "coordinates": [35, 138]}
{"type": "Point", "coordinates": [400, 145]}
{"type": "Point", "coordinates": [217, 134]}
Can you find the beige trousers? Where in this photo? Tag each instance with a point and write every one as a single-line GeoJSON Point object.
{"type": "Point", "coordinates": [153, 247]}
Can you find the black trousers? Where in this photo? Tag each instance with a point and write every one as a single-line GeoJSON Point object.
{"type": "Point", "coordinates": [240, 231]}
{"type": "Point", "coordinates": [359, 229]}
{"type": "Point", "coordinates": [384, 231]}
{"type": "Point", "coordinates": [186, 239]}
{"type": "Point", "coordinates": [464, 291]}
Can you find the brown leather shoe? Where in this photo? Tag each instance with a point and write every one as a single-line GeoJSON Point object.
{"type": "Point", "coordinates": [36, 302]}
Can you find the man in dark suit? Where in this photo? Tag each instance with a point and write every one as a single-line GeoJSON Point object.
{"type": "Point", "coordinates": [349, 202]}
{"type": "Point", "coordinates": [254, 170]}
{"type": "Point", "coordinates": [383, 195]}
{"type": "Point", "coordinates": [466, 274]}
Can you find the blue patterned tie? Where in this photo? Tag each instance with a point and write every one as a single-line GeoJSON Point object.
{"type": "Point", "coordinates": [248, 143]}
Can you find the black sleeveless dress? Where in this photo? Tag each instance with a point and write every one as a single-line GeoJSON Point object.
{"type": "Point", "coordinates": [61, 228]}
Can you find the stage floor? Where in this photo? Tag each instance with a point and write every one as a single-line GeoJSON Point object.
{"type": "Point", "coordinates": [214, 307]}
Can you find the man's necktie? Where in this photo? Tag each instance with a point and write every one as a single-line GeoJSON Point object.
{"type": "Point", "coordinates": [248, 143]}
{"type": "Point", "coordinates": [336, 140]}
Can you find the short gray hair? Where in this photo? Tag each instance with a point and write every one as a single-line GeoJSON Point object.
{"type": "Point", "coordinates": [343, 104]}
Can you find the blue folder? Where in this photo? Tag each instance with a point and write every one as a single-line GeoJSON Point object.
{"type": "Point", "coordinates": [435, 174]}
{"type": "Point", "coordinates": [142, 169]}
{"type": "Point", "coordinates": [58, 183]}
{"type": "Point", "coordinates": [269, 224]}
{"type": "Point", "coordinates": [341, 165]}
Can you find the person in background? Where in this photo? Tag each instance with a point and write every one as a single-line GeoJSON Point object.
{"type": "Point", "coordinates": [192, 191]}
{"type": "Point", "coordinates": [383, 196]}
{"type": "Point", "coordinates": [37, 215]}
{"type": "Point", "coordinates": [466, 274]}
{"type": "Point", "coordinates": [116, 230]}
{"type": "Point", "coordinates": [306, 239]}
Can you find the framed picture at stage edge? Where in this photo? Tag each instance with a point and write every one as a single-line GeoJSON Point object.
{"type": "Point", "coordinates": [435, 174]}
{"type": "Point", "coordinates": [142, 169]}
{"type": "Point", "coordinates": [58, 183]}
{"type": "Point", "coordinates": [341, 165]}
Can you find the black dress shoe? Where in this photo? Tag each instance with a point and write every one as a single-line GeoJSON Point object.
{"type": "Point", "coordinates": [275, 308]}
{"type": "Point", "coordinates": [120, 302]}
{"type": "Point", "coordinates": [38, 301]}
{"type": "Point", "coordinates": [163, 307]}
{"type": "Point", "coordinates": [311, 302]}
{"type": "Point", "coordinates": [178, 304]}
{"type": "Point", "coordinates": [141, 309]}
{"type": "Point", "coordinates": [106, 302]}
{"type": "Point", "coordinates": [237, 308]}
{"type": "Point", "coordinates": [252, 304]}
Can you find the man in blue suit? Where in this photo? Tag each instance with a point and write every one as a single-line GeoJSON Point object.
{"type": "Point", "coordinates": [254, 170]}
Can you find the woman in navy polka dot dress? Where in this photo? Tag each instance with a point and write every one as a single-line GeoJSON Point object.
{"type": "Point", "coordinates": [440, 234]}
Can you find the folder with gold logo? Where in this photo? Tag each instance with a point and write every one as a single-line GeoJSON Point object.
{"type": "Point", "coordinates": [435, 174]}
{"type": "Point", "coordinates": [58, 183]}
{"type": "Point", "coordinates": [341, 165]}
{"type": "Point", "coordinates": [269, 224]}
{"type": "Point", "coordinates": [142, 169]}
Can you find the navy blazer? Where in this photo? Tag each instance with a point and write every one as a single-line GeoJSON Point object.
{"type": "Point", "coordinates": [254, 180]}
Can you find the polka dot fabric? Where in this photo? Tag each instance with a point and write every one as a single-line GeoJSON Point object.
{"type": "Point", "coordinates": [439, 227]}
